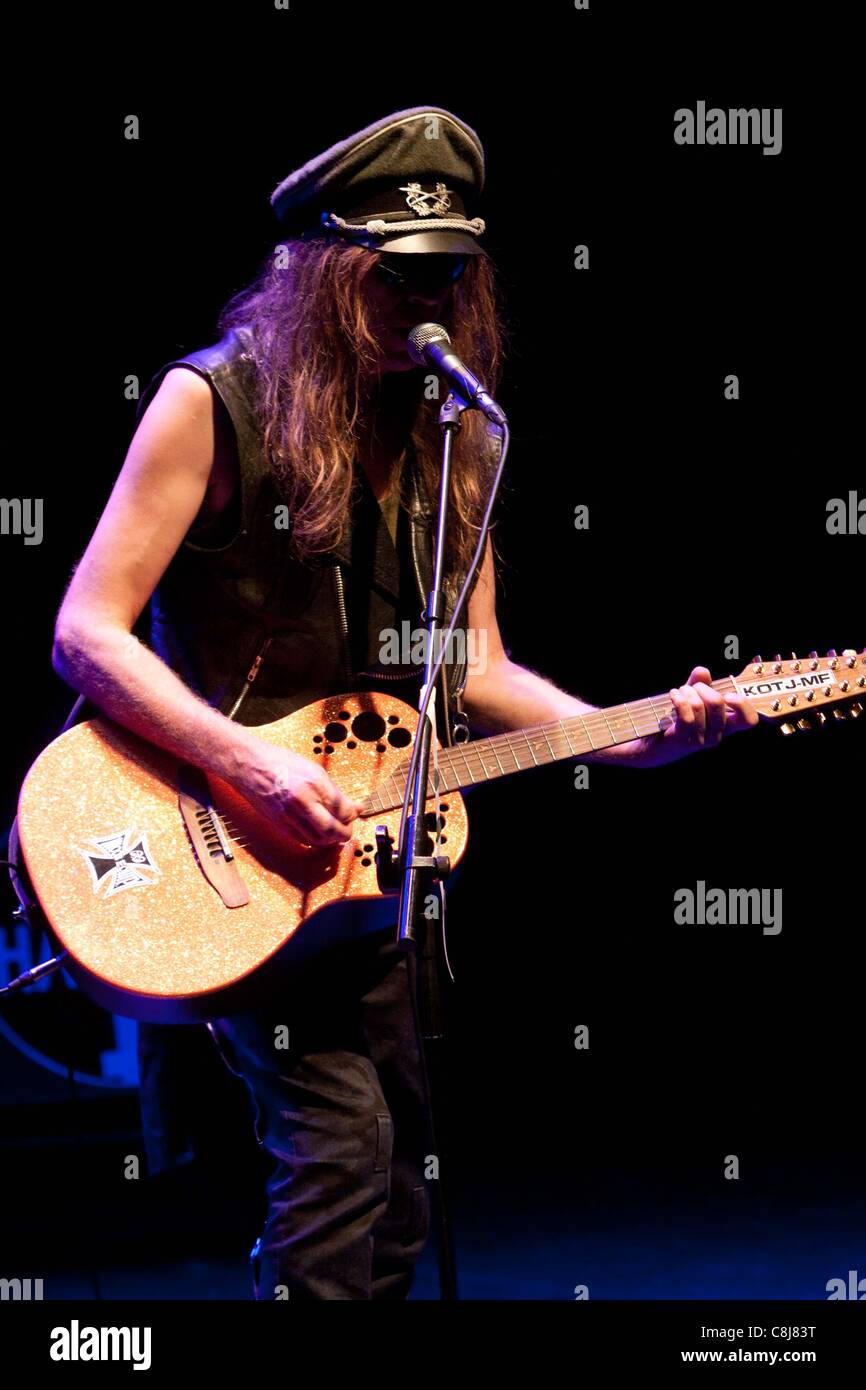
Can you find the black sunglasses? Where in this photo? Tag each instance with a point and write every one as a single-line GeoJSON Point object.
{"type": "Point", "coordinates": [430, 273]}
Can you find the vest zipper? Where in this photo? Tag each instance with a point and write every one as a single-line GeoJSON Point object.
{"type": "Point", "coordinates": [350, 673]}
{"type": "Point", "coordinates": [251, 676]}
{"type": "Point", "coordinates": [344, 622]}
{"type": "Point", "coordinates": [413, 538]}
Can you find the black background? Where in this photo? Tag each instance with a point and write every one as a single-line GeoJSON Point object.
{"type": "Point", "coordinates": [707, 519]}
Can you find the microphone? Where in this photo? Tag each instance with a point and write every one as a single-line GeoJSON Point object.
{"type": "Point", "coordinates": [429, 344]}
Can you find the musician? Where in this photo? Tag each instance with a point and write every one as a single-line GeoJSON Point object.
{"type": "Point", "coordinates": [275, 508]}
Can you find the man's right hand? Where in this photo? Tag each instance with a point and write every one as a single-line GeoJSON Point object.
{"type": "Point", "coordinates": [298, 796]}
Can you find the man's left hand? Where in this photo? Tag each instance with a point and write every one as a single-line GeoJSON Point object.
{"type": "Point", "coordinates": [702, 718]}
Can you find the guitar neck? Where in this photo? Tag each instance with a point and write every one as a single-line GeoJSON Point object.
{"type": "Point", "coordinates": [484, 759]}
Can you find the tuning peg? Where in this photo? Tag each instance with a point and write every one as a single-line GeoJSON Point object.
{"type": "Point", "coordinates": [757, 660]}
{"type": "Point", "coordinates": [832, 651]}
{"type": "Point", "coordinates": [804, 724]}
{"type": "Point", "coordinates": [841, 715]}
{"type": "Point", "coordinates": [787, 729]}
{"type": "Point", "coordinates": [856, 710]}
{"type": "Point", "coordinates": [820, 719]}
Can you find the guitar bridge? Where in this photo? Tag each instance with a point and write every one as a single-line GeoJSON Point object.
{"type": "Point", "coordinates": [209, 838]}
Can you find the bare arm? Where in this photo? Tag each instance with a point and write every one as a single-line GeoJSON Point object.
{"type": "Point", "coordinates": [157, 496]}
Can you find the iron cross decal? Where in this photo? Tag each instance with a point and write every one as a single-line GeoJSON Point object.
{"type": "Point", "coordinates": [120, 859]}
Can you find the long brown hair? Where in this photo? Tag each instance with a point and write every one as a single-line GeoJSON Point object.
{"type": "Point", "coordinates": [316, 387]}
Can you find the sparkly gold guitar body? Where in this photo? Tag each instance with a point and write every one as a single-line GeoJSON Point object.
{"type": "Point", "coordinates": [171, 893]}
{"type": "Point", "coordinates": [177, 901]}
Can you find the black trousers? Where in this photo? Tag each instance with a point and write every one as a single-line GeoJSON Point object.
{"type": "Point", "coordinates": [334, 1074]}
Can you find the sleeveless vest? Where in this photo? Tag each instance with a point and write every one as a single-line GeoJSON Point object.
{"type": "Point", "coordinates": [258, 634]}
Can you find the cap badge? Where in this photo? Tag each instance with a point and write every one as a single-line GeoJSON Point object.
{"type": "Point", "coordinates": [427, 204]}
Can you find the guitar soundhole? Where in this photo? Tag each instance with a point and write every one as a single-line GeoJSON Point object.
{"type": "Point", "coordinates": [368, 727]}
{"type": "Point", "coordinates": [399, 738]}
{"type": "Point", "coordinates": [335, 733]}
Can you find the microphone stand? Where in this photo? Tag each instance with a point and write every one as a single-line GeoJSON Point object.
{"type": "Point", "coordinates": [419, 870]}
{"type": "Point", "coordinates": [416, 871]}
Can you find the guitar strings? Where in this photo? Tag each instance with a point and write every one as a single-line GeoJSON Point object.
{"type": "Point", "coordinates": [533, 746]}
{"type": "Point", "coordinates": [615, 724]}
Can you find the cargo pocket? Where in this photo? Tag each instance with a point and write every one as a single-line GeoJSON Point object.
{"type": "Point", "coordinates": [384, 1141]}
{"type": "Point", "coordinates": [419, 1220]}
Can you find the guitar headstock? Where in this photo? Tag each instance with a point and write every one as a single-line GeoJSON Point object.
{"type": "Point", "coordinates": [807, 691]}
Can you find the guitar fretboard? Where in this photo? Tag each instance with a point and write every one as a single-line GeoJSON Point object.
{"type": "Point", "coordinates": [483, 759]}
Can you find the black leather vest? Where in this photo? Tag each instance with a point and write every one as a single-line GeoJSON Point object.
{"type": "Point", "coordinates": [258, 634]}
